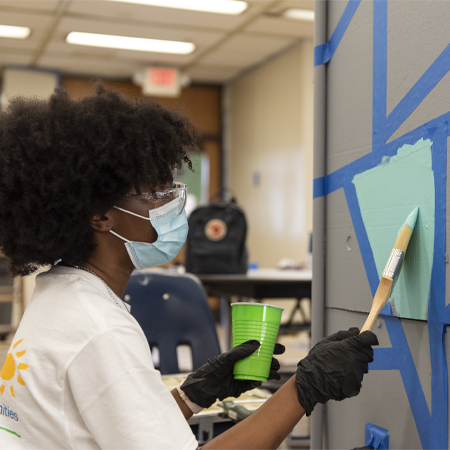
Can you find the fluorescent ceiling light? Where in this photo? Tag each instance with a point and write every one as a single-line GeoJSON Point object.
{"type": "Point", "coordinates": [300, 14]}
{"type": "Point", "coordinates": [8, 31]}
{"type": "Point", "coordinates": [233, 7]}
{"type": "Point", "coordinates": [129, 43]}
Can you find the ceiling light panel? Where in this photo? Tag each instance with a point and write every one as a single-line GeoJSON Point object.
{"type": "Point", "coordinates": [153, 16]}
{"type": "Point", "coordinates": [201, 38]}
{"type": "Point", "coordinates": [231, 7]}
{"type": "Point", "coordinates": [13, 32]}
{"type": "Point", "coordinates": [130, 43]}
{"type": "Point", "coordinates": [38, 22]}
{"type": "Point", "coordinates": [299, 14]}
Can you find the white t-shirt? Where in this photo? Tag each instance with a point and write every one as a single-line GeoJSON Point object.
{"type": "Point", "coordinates": [79, 375]}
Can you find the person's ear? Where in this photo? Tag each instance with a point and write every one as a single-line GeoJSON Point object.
{"type": "Point", "coordinates": [102, 222]}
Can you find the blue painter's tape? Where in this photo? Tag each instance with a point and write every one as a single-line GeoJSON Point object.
{"type": "Point", "coordinates": [431, 427]}
{"type": "Point", "coordinates": [436, 306]}
{"type": "Point", "coordinates": [387, 359]}
{"type": "Point", "coordinates": [379, 74]}
{"type": "Point", "coordinates": [418, 92]}
{"type": "Point", "coordinates": [446, 315]}
{"type": "Point", "coordinates": [320, 187]}
{"type": "Point", "coordinates": [335, 180]}
{"type": "Point", "coordinates": [323, 53]}
{"type": "Point", "coordinates": [411, 382]}
{"type": "Point", "coordinates": [360, 230]}
{"type": "Point", "coordinates": [376, 437]}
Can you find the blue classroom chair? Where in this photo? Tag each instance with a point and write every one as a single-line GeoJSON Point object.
{"type": "Point", "coordinates": [173, 310]}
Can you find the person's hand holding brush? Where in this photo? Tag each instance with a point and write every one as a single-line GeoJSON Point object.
{"type": "Point", "coordinates": [334, 368]}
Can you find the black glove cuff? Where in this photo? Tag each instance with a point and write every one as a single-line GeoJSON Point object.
{"type": "Point", "coordinates": [302, 394]}
{"type": "Point", "coordinates": [197, 395]}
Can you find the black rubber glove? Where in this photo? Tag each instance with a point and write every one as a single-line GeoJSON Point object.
{"type": "Point", "coordinates": [334, 368]}
{"type": "Point", "coordinates": [215, 380]}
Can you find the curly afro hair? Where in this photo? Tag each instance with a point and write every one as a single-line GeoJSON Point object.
{"type": "Point", "coordinates": [64, 161]}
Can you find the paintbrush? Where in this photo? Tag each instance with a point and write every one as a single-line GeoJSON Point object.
{"type": "Point", "coordinates": [392, 270]}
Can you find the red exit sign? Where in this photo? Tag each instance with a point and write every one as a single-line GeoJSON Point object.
{"type": "Point", "coordinates": [161, 81]}
{"type": "Point", "coordinates": [163, 77]}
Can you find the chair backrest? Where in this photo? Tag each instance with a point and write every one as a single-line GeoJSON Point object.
{"type": "Point", "coordinates": [173, 310]}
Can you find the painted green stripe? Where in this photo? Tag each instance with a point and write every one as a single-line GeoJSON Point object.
{"type": "Point", "coordinates": [9, 431]}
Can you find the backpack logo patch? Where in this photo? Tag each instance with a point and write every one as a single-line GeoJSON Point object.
{"type": "Point", "coordinates": [216, 230]}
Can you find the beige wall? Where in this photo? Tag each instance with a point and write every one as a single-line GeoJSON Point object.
{"type": "Point", "coordinates": [270, 132]}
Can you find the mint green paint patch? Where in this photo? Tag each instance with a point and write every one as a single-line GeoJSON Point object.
{"type": "Point", "coordinates": [387, 194]}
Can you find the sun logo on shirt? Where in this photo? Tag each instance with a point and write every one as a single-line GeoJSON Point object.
{"type": "Point", "coordinates": [9, 369]}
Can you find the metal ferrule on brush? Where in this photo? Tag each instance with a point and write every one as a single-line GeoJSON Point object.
{"type": "Point", "coordinates": [394, 263]}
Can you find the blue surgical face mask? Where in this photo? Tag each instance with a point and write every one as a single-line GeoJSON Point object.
{"type": "Point", "coordinates": [172, 228]}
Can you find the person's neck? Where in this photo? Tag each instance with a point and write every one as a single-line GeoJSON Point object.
{"type": "Point", "coordinates": [115, 276]}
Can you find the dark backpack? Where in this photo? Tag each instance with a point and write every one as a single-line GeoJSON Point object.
{"type": "Point", "coordinates": [216, 239]}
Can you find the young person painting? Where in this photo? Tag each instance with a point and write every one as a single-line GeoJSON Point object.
{"type": "Point", "coordinates": [87, 189]}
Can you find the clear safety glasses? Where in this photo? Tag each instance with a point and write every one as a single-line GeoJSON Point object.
{"type": "Point", "coordinates": [161, 198]}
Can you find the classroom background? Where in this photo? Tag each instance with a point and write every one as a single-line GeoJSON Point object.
{"type": "Point", "coordinates": [328, 120]}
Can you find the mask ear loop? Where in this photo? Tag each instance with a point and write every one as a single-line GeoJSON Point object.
{"type": "Point", "coordinates": [128, 212]}
{"type": "Point", "coordinates": [119, 236]}
{"type": "Point", "coordinates": [132, 213]}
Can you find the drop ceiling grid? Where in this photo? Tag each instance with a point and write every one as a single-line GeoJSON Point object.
{"type": "Point", "coordinates": [168, 16]}
{"type": "Point", "coordinates": [198, 37]}
{"type": "Point", "coordinates": [223, 46]}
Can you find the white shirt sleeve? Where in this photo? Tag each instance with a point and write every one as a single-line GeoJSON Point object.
{"type": "Point", "coordinates": [121, 397]}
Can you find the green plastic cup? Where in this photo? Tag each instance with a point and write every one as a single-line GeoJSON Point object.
{"type": "Point", "coordinates": [252, 323]}
{"type": "Point", "coordinates": [262, 353]}
{"type": "Point", "coordinates": [258, 321]}
{"type": "Point", "coordinates": [264, 340]}
{"type": "Point", "coordinates": [265, 347]}
{"type": "Point", "coordinates": [253, 329]}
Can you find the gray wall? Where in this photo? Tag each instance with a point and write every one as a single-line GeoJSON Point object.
{"type": "Point", "coordinates": [418, 32]}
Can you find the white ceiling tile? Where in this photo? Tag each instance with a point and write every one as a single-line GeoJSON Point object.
{"type": "Point", "coordinates": [247, 42]}
{"type": "Point", "coordinates": [229, 58]}
{"type": "Point", "coordinates": [37, 21]}
{"type": "Point", "coordinates": [133, 12]}
{"type": "Point", "coordinates": [212, 74]}
{"type": "Point", "coordinates": [72, 66]}
{"type": "Point", "coordinates": [288, 4]}
{"type": "Point", "coordinates": [245, 50]}
{"type": "Point", "coordinates": [32, 5]}
{"type": "Point", "coordinates": [282, 27]}
{"type": "Point", "coordinates": [8, 58]}
{"type": "Point", "coordinates": [30, 44]}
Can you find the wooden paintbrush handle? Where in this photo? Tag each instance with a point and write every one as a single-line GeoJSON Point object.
{"type": "Point", "coordinates": [381, 297]}
{"type": "Point", "coordinates": [370, 321]}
